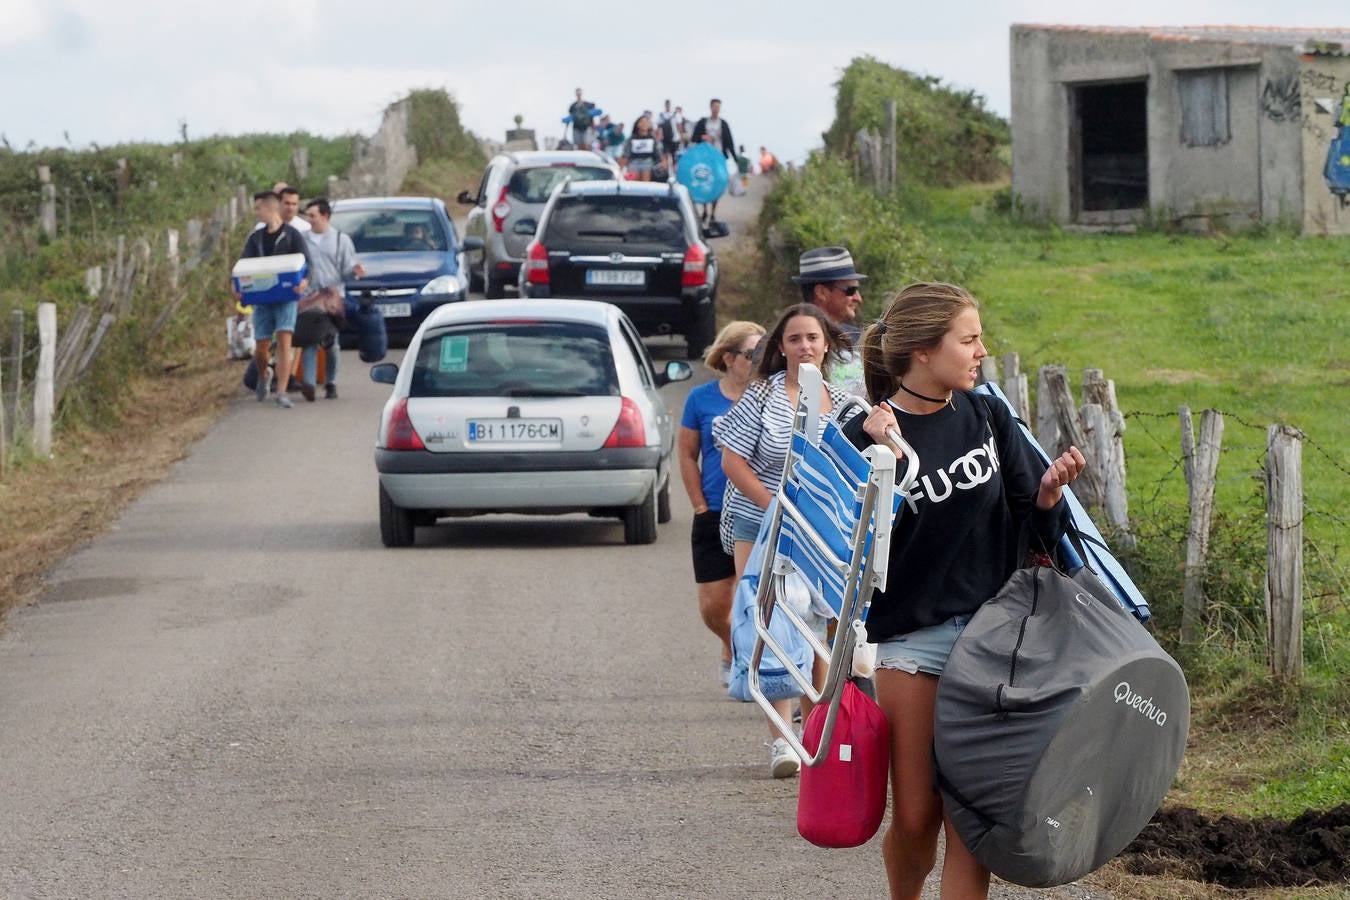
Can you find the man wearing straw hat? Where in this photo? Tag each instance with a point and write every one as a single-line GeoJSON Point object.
{"type": "Point", "coordinates": [828, 279]}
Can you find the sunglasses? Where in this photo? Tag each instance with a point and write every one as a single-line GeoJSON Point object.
{"type": "Point", "coordinates": [850, 291]}
{"type": "Point", "coordinates": [748, 354]}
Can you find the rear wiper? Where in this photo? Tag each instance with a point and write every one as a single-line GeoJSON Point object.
{"type": "Point", "coordinates": [541, 392]}
{"type": "Point", "coordinates": [610, 234]}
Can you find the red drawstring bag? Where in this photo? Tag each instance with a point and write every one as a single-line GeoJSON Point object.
{"type": "Point", "coordinates": [843, 799]}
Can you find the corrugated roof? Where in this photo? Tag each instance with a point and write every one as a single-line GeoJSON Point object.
{"type": "Point", "coordinates": [1319, 41]}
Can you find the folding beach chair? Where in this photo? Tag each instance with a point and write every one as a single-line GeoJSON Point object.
{"type": "Point", "coordinates": [832, 527]}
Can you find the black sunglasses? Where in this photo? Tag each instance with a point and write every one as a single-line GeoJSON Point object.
{"type": "Point", "coordinates": [748, 354]}
{"type": "Point", "coordinates": [850, 291]}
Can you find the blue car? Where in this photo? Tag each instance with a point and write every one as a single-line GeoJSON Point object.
{"type": "Point", "coordinates": [413, 259]}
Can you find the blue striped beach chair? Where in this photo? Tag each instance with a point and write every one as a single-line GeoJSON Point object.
{"type": "Point", "coordinates": [831, 527]}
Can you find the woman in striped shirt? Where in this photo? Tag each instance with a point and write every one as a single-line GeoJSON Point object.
{"type": "Point", "coordinates": [754, 437]}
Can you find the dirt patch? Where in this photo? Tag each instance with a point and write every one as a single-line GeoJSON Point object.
{"type": "Point", "coordinates": [1245, 853]}
{"type": "Point", "coordinates": [48, 509]}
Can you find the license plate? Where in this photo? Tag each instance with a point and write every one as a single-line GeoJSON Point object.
{"type": "Point", "coordinates": [616, 276]}
{"type": "Point", "coordinates": [394, 310]}
{"type": "Point", "coordinates": [515, 431]}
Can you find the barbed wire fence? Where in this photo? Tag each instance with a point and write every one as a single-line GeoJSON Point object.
{"type": "Point", "coordinates": [1239, 566]}
{"type": "Point", "coordinates": [138, 283]}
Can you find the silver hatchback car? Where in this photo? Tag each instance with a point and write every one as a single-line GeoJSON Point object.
{"type": "Point", "coordinates": [505, 212]}
{"type": "Point", "coordinates": [526, 406]}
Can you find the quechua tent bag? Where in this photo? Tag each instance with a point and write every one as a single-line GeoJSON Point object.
{"type": "Point", "coordinates": [842, 801]}
{"type": "Point", "coordinates": [1060, 725]}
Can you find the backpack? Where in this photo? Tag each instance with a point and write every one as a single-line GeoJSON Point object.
{"type": "Point", "coordinates": [775, 680]}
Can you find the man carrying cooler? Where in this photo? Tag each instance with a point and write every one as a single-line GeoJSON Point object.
{"type": "Point", "coordinates": [274, 238]}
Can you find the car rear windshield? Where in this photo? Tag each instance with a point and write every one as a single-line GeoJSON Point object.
{"type": "Point", "coordinates": [535, 185]}
{"type": "Point", "coordinates": [391, 230]}
{"type": "Point", "coordinates": [516, 359]}
{"type": "Point", "coordinates": [615, 219]}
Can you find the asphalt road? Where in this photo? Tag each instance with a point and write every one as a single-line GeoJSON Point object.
{"type": "Point", "coordinates": [238, 692]}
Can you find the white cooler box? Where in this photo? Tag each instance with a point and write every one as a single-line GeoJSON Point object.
{"type": "Point", "coordinates": [269, 279]}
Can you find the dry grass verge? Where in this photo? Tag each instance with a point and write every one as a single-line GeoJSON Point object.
{"type": "Point", "coordinates": [47, 510]}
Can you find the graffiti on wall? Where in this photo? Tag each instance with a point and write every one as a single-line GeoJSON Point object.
{"type": "Point", "coordinates": [1337, 168]}
{"type": "Point", "coordinates": [1280, 99]}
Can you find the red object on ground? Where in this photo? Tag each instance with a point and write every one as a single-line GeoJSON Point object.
{"type": "Point", "coordinates": [843, 799]}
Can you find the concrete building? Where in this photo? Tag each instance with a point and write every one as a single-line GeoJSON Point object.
{"type": "Point", "coordinates": [1205, 126]}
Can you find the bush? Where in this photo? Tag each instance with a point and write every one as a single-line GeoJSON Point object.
{"type": "Point", "coordinates": [944, 135]}
{"type": "Point", "coordinates": [435, 130]}
{"type": "Point", "coordinates": [822, 204]}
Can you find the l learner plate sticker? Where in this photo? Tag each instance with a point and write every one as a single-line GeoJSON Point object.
{"type": "Point", "coordinates": [454, 354]}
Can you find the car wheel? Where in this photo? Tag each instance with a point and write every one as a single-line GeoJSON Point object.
{"type": "Point", "coordinates": [492, 288]}
{"type": "Point", "coordinates": [663, 503]}
{"type": "Point", "coordinates": [703, 333]}
{"type": "Point", "coordinates": [476, 276]}
{"type": "Point", "coordinates": [396, 523]}
{"type": "Point", "coordinates": [639, 522]}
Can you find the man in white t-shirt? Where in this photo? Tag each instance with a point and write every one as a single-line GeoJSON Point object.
{"type": "Point", "coordinates": [828, 279]}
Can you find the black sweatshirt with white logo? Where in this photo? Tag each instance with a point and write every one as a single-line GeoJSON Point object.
{"type": "Point", "coordinates": [956, 537]}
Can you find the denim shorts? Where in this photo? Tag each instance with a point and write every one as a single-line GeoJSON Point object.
{"type": "Point", "coordinates": [269, 318]}
{"type": "Point", "coordinates": [745, 528]}
{"type": "Point", "coordinates": [925, 650]}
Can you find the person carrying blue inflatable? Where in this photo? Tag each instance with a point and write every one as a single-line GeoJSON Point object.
{"type": "Point", "coordinates": [581, 115]}
{"type": "Point", "coordinates": [712, 129]}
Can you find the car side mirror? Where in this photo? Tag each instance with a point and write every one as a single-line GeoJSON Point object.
{"type": "Point", "coordinates": [384, 373]}
{"type": "Point", "coordinates": [676, 370]}
{"type": "Point", "coordinates": [471, 243]}
{"type": "Point", "coordinates": [465, 199]}
{"type": "Point", "coordinates": [525, 226]}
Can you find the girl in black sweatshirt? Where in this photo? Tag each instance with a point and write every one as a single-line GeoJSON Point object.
{"type": "Point", "coordinates": [954, 544]}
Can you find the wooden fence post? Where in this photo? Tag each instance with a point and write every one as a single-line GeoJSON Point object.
{"type": "Point", "coordinates": [14, 406]}
{"type": "Point", "coordinates": [890, 160]}
{"type": "Point", "coordinates": [1284, 562]}
{"type": "Point", "coordinates": [300, 163]}
{"type": "Point", "coordinates": [1197, 532]}
{"type": "Point", "coordinates": [172, 256]}
{"type": "Point", "coordinates": [44, 398]}
{"type": "Point", "coordinates": [1102, 391]}
{"type": "Point", "coordinates": [68, 351]}
{"type": "Point", "coordinates": [1088, 487]}
{"type": "Point", "coordinates": [1015, 386]}
{"type": "Point", "coordinates": [1047, 423]}
{"type": "Point", "coordinates": [47, 210]}
{"type": "Point", "coordinates": [988, 371]}
{"type": "Point", "coordinates": [1187, 447]}
{"type": "Point", "coordinates": [4, 432]}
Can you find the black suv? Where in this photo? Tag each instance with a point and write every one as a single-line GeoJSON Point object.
{"type": "Point", "coordinates": [634, 244]}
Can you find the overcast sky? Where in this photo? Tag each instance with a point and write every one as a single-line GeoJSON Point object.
{"type": "Point", "coordinates": [130, 71]}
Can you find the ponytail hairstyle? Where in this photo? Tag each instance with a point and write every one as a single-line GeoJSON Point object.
{"type": "Point", "coordinates": [914, 320]}
{"type": "Point", "coordinates": [772, 361]}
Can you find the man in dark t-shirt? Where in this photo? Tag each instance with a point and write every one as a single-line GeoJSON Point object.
{"type": "Point", "coordinates": [274, 238]}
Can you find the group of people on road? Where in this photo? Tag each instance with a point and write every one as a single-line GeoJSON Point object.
{"type": "Point", "coordinates": [651, 150]}
{"type": "Point", "coordinates": [313, 320]}
{"type": "Point", "coordinates": [954, 544]}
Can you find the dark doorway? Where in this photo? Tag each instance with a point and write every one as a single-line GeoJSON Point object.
{"type": "Point", "coordinates": [1109, 146]}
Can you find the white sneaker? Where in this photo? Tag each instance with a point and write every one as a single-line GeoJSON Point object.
{"type": "Point", "coordinates": [783, 763]}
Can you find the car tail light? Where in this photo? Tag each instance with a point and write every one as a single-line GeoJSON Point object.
{"type": "Point", "coordinates": [536, 264]}
{"type": "Point", "coordinates": [695, 267]}
{"type": "Point", "coordinates": [500, 210]}
{"type": "Point", "coordinates": [628, 431]}
{"type": "Point", "coordinates": [401, 435]}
